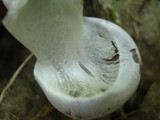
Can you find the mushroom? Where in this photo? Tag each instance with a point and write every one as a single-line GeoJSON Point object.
{"type": "Point", "coordinates": [87, 67]}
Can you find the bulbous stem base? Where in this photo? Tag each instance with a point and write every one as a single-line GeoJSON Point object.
{"type": "Point", "coordinates": [98, 86]}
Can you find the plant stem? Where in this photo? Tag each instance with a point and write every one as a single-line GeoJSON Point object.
{"type": "Point", "coordinates": [15, 75]}
{"type": "Point", "coordinates": [115, 13]}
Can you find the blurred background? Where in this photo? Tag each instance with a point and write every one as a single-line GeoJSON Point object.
{"type": "Point", "coordinates": [140, 18]}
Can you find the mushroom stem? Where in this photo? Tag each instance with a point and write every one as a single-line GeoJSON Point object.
{"type": "Point", "coordinates": [64, 40]}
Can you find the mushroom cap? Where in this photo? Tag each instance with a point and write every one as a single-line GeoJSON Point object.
{"type": "Point", "coordinates": [103, 82]}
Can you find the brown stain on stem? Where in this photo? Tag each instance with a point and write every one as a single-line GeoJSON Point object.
{"type": "Point", "coordinates": [114, 58]}
{"type": "Point", "coordinates": [116, 55]}
{"type": "Point", "coordinates": [116, 49]}
{"type": "Point", "coordinates": [135, 55]}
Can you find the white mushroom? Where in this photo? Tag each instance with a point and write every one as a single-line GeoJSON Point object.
{"type": "Point", "coordinates": [87, 67]}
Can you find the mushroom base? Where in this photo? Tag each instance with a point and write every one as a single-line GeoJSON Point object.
{"type": "Point", "coordinates": [99, 85]}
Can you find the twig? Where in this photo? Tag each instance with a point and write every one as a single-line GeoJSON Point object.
{"type": "Point", "coordinates": [123, 114]}
{"type": "Point", "coordinates": [127, 115]}
{"type": "Point", "coordinates": [13, 78]}
{"type": "Point", "coordinates": [44, 111]}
